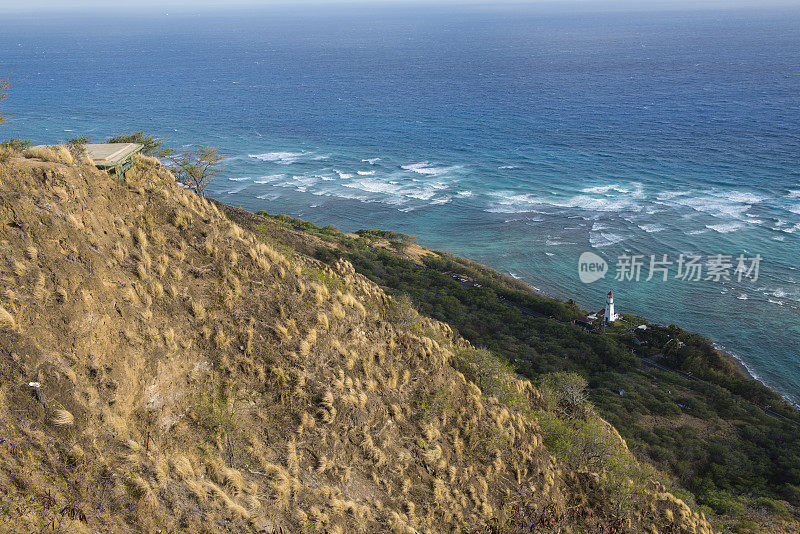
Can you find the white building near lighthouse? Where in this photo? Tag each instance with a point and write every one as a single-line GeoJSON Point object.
{"type": "Point", "coordinates": [609, 314]}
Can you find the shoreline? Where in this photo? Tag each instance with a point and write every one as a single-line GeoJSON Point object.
{"type": "Point", "coordinates": [736, 363]}
{"type": "Point", "coordinates": [740, 366]}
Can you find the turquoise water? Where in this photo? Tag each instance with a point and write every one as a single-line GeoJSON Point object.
{"type": "Point", "coordinates": [517, 137]}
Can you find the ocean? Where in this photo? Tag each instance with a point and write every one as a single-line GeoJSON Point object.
{"type": "Point", "coordinates": [520, 137]}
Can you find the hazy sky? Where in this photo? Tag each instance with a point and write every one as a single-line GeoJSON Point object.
{"type": "Point", "coordinates": [194, 5]}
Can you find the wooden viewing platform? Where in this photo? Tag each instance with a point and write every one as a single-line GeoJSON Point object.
{"type": "Point", "coordinates": [113, 157]}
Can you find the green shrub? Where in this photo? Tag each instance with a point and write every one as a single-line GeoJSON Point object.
{"type": "Point", "coordinates": [77, 146]}
{"type": "Point", "coordinates": [747, 527]}
{"type": "Point", "coordinates": [153, 146]}
{"type": "Point", "coordinates": [774, 505]}
{"type": "Point", "coordinates": [400, 311]}
{"type": "Point", "coordinates": [724, 503]}
{"type": "Point", "coordinates": [492, 375]}
{"type": "Point", "coordinates": [16, 144]}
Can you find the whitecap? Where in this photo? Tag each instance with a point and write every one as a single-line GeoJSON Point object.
{"type": "Point", "coordinates": [438, 201]}
{"type": "Point", "coordinates": [374, 186]}
{"type": "Point", "coordinates": [284, 158]}
{"type": "Point", "coordinates": [464, 194]}
{"type": "Point", "coordinates": [300, 183]}
{"type": "Point", "coordinates": [555, 242]}
{"type": "Point", "coordinates": [510, 202]}
{"type": "Point", "coordinates": [599, 189]}
{"type": "Point", "coordinates": [652, 228]}
{"type": "Point", "coordinates": [781, 293]}
{"type": "Point", "coordinates": [604, 239]}
{"type": "Point", "coordinates": [584, 202]}
{"type": "Point", "coordinates": [269, 178]}
{"type": "Point", "coordinates": [791, 229]}
{"type": "Point", "coordinates": [371, 161]}
{"type": "Point", "coordinates": [742, 296]}
{"type": "Point", "coordinates": [420, 194]}
{"type": "Point", "coordinates": [365, 173]}
{"type": "Point", "coordinates": [508, 167]}
{"type": "Point", "coordinates": [669, 195]}
{"type": "Point", "coordinates": [725, 228]}
{"type": "Point", "coordinates": [343, 175]}
{"type": "Point", "coordinates": [743, 197]}
{"type": "Point", "coordinates": [428, 169]}
{"type": "Point", "coordinates": [242, 179]}
{"type": "Point", "coordinates": [407, 209]}
{"type": "Point", "coordinates": [715, 206]}
{"type": "Point", "coordinates": [269, 196]}
{"type": "Point", "coordinates": [237, 189]}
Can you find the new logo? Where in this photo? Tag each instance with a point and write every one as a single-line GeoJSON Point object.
{"type": "Point", "coordinates": [591, 267]}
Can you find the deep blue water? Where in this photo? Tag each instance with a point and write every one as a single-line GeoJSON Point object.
{"type": "Point", "coordinates": [517, 137]}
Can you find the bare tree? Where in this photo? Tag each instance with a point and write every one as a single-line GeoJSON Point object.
{"type": "Point", "coordinates": [196, 169]}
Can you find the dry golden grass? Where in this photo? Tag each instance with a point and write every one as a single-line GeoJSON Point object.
{"type": "Point", "coordinates": [6, 153]}
{"type": "Point", "coordinates": [53, 154]}
{"type": "Point", "coordinates": [7, 321]}
{"type": "Point", "coordinates": [146, 161]}
{"type": "Point", "coordinates": [63, 417]}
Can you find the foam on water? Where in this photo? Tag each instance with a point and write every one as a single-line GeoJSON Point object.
{"type": "Point", "coordinates": [714, 205]}
{"type": "Point", "coordinates": [652, 228]}
{"type": "Point", "coordinates": [283, 158]}
{"type": "Point", "coordinates": [269, 178]}
{"type": "Point", "coordinates": [375, 186]}
{"type": "Point", "coordinates": [605, 239]}
{"type": "Point", "coordinates": [725, 228]}
{"type": "Point", "coordinates": [429, 169]}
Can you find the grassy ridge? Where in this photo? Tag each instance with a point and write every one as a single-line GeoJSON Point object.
{"type": "Point", "coordinates": [709, 431]}
{"type": "Point", "coordinates": [164, 368]}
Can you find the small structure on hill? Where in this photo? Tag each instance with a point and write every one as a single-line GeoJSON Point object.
{"type": "Point", "coordinates": [609, 314]}
{"type": "Point", "coordinates": [113, 157]}
{"type": "Point", "coordinates": [587, 321]}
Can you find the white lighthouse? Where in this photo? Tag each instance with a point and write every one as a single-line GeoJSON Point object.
{"type": "Point", "coordinates": [609, 314]}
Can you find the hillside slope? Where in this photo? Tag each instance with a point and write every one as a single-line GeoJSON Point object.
{"type": "Point", "coordinates": [164, 370]}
